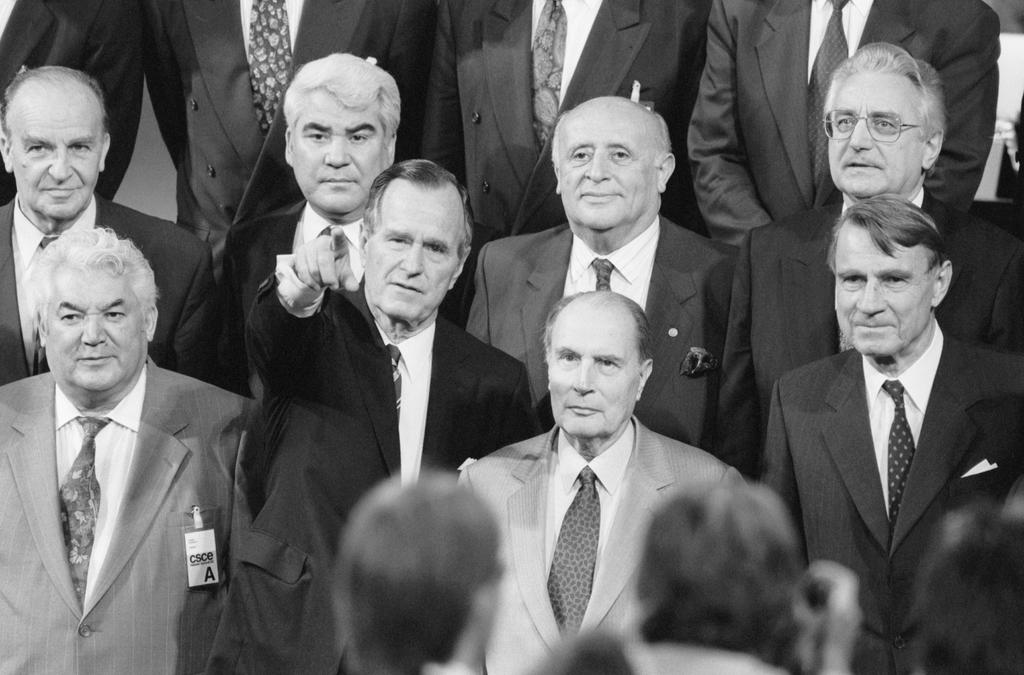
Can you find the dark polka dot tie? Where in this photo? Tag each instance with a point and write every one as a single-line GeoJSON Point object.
{"type": "Point", "coordinates": [572, 568]}
{"type": "Point", "coordinates": [901, 451]}
{"type": "Point", "coordinates": [603, 269]}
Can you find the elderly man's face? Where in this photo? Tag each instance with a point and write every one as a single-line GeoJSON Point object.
{"type": "Point", "coordinates": [595, 373]}
{"type": "Point", "coordinates": [861, 166]}
{"type": "Point", "coordinates": [56, 148]}
{"type": "Point", "coordinates": [610, 170]}
{"type": "Point", "coordinates": [96, 333]}
{"type": "Point", "coordinates": [412, 257]}
{"type": "Point", "coordinates": [335, 153]}
{"type": "Point", "coordinates": [884, 303]}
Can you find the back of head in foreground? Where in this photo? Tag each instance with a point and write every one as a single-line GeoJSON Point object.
{"type": "Point", "coordinates": [418, 577]}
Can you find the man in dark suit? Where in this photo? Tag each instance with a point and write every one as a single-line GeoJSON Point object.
{"type": "Point", "coordinates": [55, 144]}
{"type": "Point", "coordinates": [110, 462]}
{"type": "Point", "coordinates": [750, 141]}
{"type": "Point", "coordinates": [198, 74]}
{"type": "Point", "coordinates": [99, 37]}
{"type": "Point", "coordinates": [871, 447]}
{"type": "Point", "coordinates": [612, 159]}
{"type": "Point", "coordinates": [782, 313]}
{"type": "Point", "coordinates": [359, 385]}
{"type": "Point", "coordinates": [480, 121]}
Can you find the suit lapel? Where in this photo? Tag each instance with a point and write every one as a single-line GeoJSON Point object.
{"type": "Point", "coordinates": [446, 389]}
{"type": "Point", "coordinates": [29, 23]}
{"type": "Point", "coordinates": [887, 22]}
{"type": "Point", "coordinates": [12, 347]}
{"type": "Point", "coordinates": [545, 284]}
{"type": "Point", "coordinates": [159, 454]}
{"type": "Point", "coordinates": [809, 285]}
{"type": "Point", "coordinates": [782, 56]}
{"type": "Point", "coordinates": [527, 513]}
{"type": "Point", "coordinates": [216, 26]}
{"type": "Point", "coordinates": [34, 467]}
{"type": "Point", "coordinates": [848, 439]}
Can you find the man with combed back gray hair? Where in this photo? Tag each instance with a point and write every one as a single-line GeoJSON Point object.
{"type": "Point", "coordinates": [117, 495]}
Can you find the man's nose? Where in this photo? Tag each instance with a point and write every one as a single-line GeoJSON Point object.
{"type": "Point", "coordinates": [93, 331]}
{"type": "Point", "coordinates": [60, 167]}
{"type": "Point", "coordinates": [336, 153]}
{"type": "Point", "coordinates": [871, 299]}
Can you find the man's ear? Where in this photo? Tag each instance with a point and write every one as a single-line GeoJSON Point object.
{"type": "Point", "coordinates": [942, 280]}
{"type": "Point", "coordinates": [288, 156]}
{"type": "Point", "coordinates": [5, 151]}
{"type": "Point", "coordinates": [104, 147]}
{"type": "Point", "coordinates": [150, 315]}
{"type": "Point", "coordinates": [666, 166]}
{"type": "Point", "coordinates": [932, 148]}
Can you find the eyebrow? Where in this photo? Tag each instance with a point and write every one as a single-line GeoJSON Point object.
{"type": "Point", "coordinates": [75, 308]}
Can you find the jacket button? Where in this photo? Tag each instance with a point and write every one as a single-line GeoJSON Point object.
{"type": "Point", "coordinates": [85, 630]}
{"type": "Point", "coordinates": [210, 171]}
{"type": "Point", "coordinates": [899, 642]}
{"type": "Point", "coordinates": [486, 187]}
{"type": "Point", "coordinates": [476, 118]}
{"type": "Point", "coordinates": [193, 104]}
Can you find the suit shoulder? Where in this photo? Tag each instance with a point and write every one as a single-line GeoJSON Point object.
{"type": "Point", "coordinates": [510, 251]}
{"type": "Point", "coordinates": [18, 396]}
{"type": "Point", "coordinates": [810, 379]}
{"type": "Point", "coordinates": [202, 397]}
{"type": "Point", "coordinates": [499, 464]}
{"type": "Point", "coordinates": [483, 355]}
{"type": "Point", "coordinates": [149, 232]}
{"type": "Point", "coordinates": [677, 236]}
{"type": "Point", "coordinates": [687, 462]}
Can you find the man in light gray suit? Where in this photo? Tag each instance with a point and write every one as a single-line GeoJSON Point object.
{"type": "Point", "coordinates": [573, 503]}
{"type": "Point", "coordinates": [115, 480]}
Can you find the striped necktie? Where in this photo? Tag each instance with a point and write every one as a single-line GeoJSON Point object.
{"type": "Point", "coordinates": [396, 375]}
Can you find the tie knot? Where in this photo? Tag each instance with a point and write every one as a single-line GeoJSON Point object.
{"type": "Point", "coordinates": [838, 5]}
{"type": "Point", "coordinates": [587, 478]}
{"type": "Point", "coordinates": [395, 353]}
{"type": "Point", "coordinates": [92, 425]}
{"type": "Point", "coordinates": [895, 389]}
{"type": "Point", "coordinates": [603, 268]}
{"type": "Point", "coordinates": [47, 240]}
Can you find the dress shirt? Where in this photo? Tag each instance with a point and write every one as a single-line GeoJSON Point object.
{"type": "Point", "coordinates": [917, 384]}
{"type": "Point", "coordinates": [610, 469]}
{"type": "Point", "coordinates": [855, 15]}
{"type": "Point", "coordinates": [311, 224]}
{"type": "Point", "coordinates": [25, 239]}
{"type": "Point", "coordinates": [415, 368]}
{"type": "Point", "coordinates": [6, 7]}
{"type": "Point", "coordinates": [634, 263]}
{"type": "Point", "coordinates": [292, 7]}
{"type": "Point", "coordinates": [579, 18]}
{"type": "Point", "coordinates": [115, 448]}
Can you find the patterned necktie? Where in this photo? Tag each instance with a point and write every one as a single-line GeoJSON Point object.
{"type": "Point", "coordinates": [39, 364]}
{"type": "Point", "coordinates": [396, 375]}
{"type": "Point", "coordinates": [901, 451]}
{"type": "Point", "coordinates": [548, 59]}
{"type": "Point", "coordinates": [603, 268]}
{"type": "Point", "coordinates": [831, 53]}
{"type": "Point", "coordinates": [270, 58]}
{"type": "Point", "coordinates": [572, 568]}
{"type": "Point", "coordinates": [80, 504]}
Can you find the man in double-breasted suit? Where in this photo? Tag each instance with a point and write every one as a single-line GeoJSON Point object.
{"type": "Point", "coordinates": [198, 77]}
{"type": "Point", "coordinates": [748, 140]}
{"type": "Point", "coordinates": [573, 504]}
{"type": "Point", "coordinates": [871, 447]}
{"type": "Point", "coordinates": [480, 117]}
{"type": "Point", "coordinates": [105, 465]}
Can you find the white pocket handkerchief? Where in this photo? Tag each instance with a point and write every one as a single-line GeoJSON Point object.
{"type": "Point", "coordinates": [470, 460]}
{"type": "Point", "coordinates": [981, 467]}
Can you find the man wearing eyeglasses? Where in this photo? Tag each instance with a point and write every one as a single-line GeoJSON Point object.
{"type": "Point", "coordinates": [885, 119]}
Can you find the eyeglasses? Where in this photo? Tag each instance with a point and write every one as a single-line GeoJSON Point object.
{"type": "Point", "coordinates": [883, 127]}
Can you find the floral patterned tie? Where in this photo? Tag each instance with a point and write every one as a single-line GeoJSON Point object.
{"type": "Point", "coordinates": [831, 53]}
{"type": "Point", "coordinates": [80, 504]}
{"type": "Point", "coordinates": [270, 58]}
{"type": "Point", "coordinates": [572, 568]}
{"type": "Point", "coordinates": [603, 269]}
{"type": "Point", "coordinates": [548, 59]}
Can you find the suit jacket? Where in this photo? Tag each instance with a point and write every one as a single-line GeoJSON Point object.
{"type": "Point", "coordinates": [99, 37]}
{"type": "Point", "coordinates": [141, 617]}
{"type": "Point", "coordinates": [821, 460]}
{"type": "Point", "coordinates": [332, 433]}
{"type": "Point", "coordinates": [748, 140]}
{"type": "Point", "coordinates": [514, 482]}
{"type": "Point", "coordinates": [186, 326]}
{"type": "Point", "coordinates": [479, 120]}
{"type": "Point", "coordinates": [198, 78]}
{"type": "Point", "coordinates": [783, 306]}
{"type": "Point", "coordinates": [521, 278]}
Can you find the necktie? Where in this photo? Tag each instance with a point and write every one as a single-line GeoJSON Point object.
{"type": "Point", "coordinates": [572, 568]}
{"type": "Point", "coordinates": [39, 364]}
{"type": "Point", "coordinates": [901, 451]}
{"type": "Point", "coordinates": [831, 53]}
{"type": "Point", "coordinates": [80, 504]}
{"type": "Point", "coordinates": [548, 59]}
{"type": "Point", "coordinates": [396, 375]}
{"type": "Point", "coordinates": [603, 268]}
{"type": "Point", "coordinates": [270, 57]}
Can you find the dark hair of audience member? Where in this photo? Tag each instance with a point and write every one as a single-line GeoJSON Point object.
{"type": "Point", "coordinates": [589, 653]}
{"type": "Point", "coordinates": [720, 567]}
{"type": "Point", "coordinates": [970, 594]}
{"type": "Point", "coordinates": [412, 560]}
{"type": "Point", "coordinates": [892, 222]}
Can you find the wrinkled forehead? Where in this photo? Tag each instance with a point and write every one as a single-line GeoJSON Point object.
{"type": "Point", "coordinates": [875, 93]}
{"type": "Point", "coordinates": [42, 105]}
{"type": "Point", "coordinates": [855, 250]}
{"type": "Point", "coordinates": [608, 125]}
{"type": "Point", "coordinates": [595, 329]}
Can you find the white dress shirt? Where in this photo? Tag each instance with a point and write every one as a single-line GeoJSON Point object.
{"type": "Point", "coordinates": [292, 7]}
{"type": "Point", "coordinates": [415, 368]}
{"type": "Point", "coordinates": [579, 19]}
{"type": "Point", "coordinates": [25, 240]}
{"type": "Point", "coordinates": [311, 224]}
{"type": "Point", "coordinates": [115, 449]}
{"type": "Point", "coordinates": [855, 15]}
{"type": "Point", "coordinates": [6, 7]}
{"type": "Point", "coordinates": [563, 484]}
{"type": "Point", "coordinates": [917, 384]}
{"type": "Point", "coordinates": [634, 263]}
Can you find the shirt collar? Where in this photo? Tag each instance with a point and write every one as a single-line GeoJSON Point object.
{"type": "Point", "coordinates": [862, 6]}
{"type": "Point", "coordinates": [917, 380]}
{"type": "Point", "coordinates": [127, 413]}
{"type": "Point", "coordinates": [29, 236]}
{"type": "Point", "coordinates": [609, 466]}
{"type": "Point", "coordinates": [628, 259]}
{"type": "Point", "coordinates": [417, 351]}
{"type": "Point", "coordinates": [312, 224]}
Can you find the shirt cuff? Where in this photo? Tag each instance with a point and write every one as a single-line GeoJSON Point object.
{"type": "Point", "coordinates": [297, 298]}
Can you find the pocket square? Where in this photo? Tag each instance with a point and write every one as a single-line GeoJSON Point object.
{"type": "Point", "coordinates": [981, 467]}
{"type": "Point", "coordinates": [465, 464]}
{"type": "Point", "coordinates": [697, 362]}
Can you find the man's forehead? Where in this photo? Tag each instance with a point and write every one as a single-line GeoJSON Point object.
{"type": "Point", "coordinates": [876, 92]}
{"type": "Point", "coordinates": [606, 126]}
{"type": "Point", "coordinates": [588, 328]}
{"type": "Point", "coordinates": [855, 247]}
{"type": "Point", "coordinates": [322, 107]}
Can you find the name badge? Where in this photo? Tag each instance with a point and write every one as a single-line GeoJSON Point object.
{"type": "Point", "coordinates": [200, 553]}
